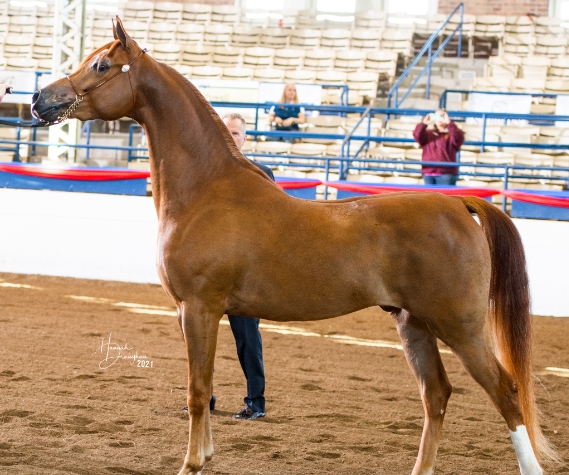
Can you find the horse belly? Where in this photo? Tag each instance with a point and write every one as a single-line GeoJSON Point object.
{"type": "Point", "coordinates": [312, 287]}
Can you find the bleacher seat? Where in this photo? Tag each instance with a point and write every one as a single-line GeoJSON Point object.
{"type": "Point", "coordinates": [397, 40]}
{"type": "Point", "coordinates": [548, 26]}
{"type": "Point", "coordinates": [226, 55]}
{"type": "Point", "coordinates": [366, 39]}
{"type": "Point", "coordinates": [518, 44]}
{"type": "Point", "coordinates": [17, 46]}
{"type": "Point", "coordinates": [44, 26]}
{"type": "Point", "coordinates": [534, 67]}
{"type": "Point", "coordinates": [336, 38]}
{"type": "Point", "coordinates": [137, 29]}
{"type": "Point", "coordinates": [316, 59]}
{"type": "Point", "coordinates": [349, 60]}
{"type": "Point", "coordinates": [288, 58]}
{"type": "Point", "coordinates": [189, 33]}
{"type": "Point", "coordinates": [207, 72]}
{"type": "Point", "coordinates": [196, 13]}
{"type": "Point", "coordinates": [275, 37]}
{"type": "Point", "coordinates": [245, 36]}
{"type": "Point", "coordinates": [227, 14]}
{"type": "Point", "coordinates": [331, 77]}
{"type": "Point", "coordinates": [381, 62]}
{"type": "Point", "coordinates": [21, 64]}
{"type": "Point", "coordinates": [528, 85]}
{"type": "Point", "coordinates": [42, 47]}
{"type": "Point", "coordinates": [266, 74]}
{"type": "Point", "coordinates": [305, 38]}
{"type": "Point", "coordinates": [168, 11]}
{"type": "Point", "coordinates": [300, 75]}
{"type": "Point", "coordinates": [506, 65]}
{"type": "Point", "coordinates": [196, 55]}
{"type": "Point", "coordinates": [490, 26]}
{"type": "Point", "coordinates": [559, 67]}
{"type": "Point", "coordinates": [22, 25]}
{"type": "Point", "coordinates": [237, 73]}
{"type": "Point", "coordinates": [168, 53]}
{"type": "Point", "coordinates": [218, 34]}
{"type": "Point", "coordinates": [371, 19]}
{"type": "Point", "coordinates": [551, 45]}
{"type": "Point", "coordinates": [161, 32]}
{"type": "Point", "coordinates": [258, 56]}
{"type": "Point", "coordinates": [138, 11]}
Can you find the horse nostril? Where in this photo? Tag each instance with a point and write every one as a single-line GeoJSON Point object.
{"type": "Point", "coordinates": [36, 96]}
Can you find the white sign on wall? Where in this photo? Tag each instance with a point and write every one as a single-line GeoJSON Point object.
{"type": "Point", "coordinates": [498, 103]}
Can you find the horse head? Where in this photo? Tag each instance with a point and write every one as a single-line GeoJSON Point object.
{"type": "Point", "coordinates": [101, 88]}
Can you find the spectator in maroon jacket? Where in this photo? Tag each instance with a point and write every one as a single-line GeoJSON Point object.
{"type": "Point", "coordinates": [440, 140]}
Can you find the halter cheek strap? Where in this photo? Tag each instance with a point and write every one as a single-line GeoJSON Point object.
{"type": "Point", "coordinates": [79, 97]}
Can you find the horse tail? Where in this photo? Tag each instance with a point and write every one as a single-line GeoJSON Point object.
{"type": "Point", "coordinates": [509, 313]}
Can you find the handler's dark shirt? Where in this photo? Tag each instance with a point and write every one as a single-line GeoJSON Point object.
{"type": "Point", "coordinates": [264, 168]}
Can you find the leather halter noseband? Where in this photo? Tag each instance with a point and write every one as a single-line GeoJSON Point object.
{"type": "Point", "coordinates": [79, 97]}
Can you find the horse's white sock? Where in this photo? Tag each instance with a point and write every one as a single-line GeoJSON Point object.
{"type": "Point", "coordinates": [524, 451]}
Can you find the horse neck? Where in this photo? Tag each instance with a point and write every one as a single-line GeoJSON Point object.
{"type": "Point", "coordinates": [189, 146]}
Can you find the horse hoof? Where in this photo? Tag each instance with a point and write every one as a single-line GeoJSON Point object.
{"type": "Point", "coordinates": [188, 471]}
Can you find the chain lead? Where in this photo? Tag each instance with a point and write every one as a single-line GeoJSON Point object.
{"type": "Point", "coordinates": [70, 110]}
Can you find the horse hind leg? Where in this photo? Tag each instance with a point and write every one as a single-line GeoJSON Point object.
{"type": "Point", "coordinates": [424, 359]}
{"type": "Point", "coordinates": [477, 357]}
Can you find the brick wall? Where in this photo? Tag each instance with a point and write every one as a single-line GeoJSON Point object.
{"type": "Point", "coordinates": [497, 7]}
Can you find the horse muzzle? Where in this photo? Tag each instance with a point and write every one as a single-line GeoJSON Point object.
{"type": "Point", "coordinates": [48, 107]}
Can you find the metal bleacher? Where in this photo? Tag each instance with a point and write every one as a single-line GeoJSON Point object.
{"type": "Point", "coordinates": [351, 132]}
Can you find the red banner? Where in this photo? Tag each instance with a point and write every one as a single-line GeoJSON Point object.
{"type": "Point", "coordinates": [537, 199]}
{"type": "Point", "coordinates": [379, 188]}
{"type": "Point", "coordinates": [73, 173]}
{"type": "Point", "coordinates": [297, 184]}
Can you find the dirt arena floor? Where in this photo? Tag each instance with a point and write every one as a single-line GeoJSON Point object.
{"type": "Point", "coordinates": [334, 404]}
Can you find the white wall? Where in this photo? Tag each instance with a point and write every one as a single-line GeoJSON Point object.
{"type": "Point", "coordinates": [83, 235]}
{"type": "Point", "coordinates": [114, 238]}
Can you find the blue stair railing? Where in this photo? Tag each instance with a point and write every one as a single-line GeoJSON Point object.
{"type": "Point", "coordinates": [392, 95]}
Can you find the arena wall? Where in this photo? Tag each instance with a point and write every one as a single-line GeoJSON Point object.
{"type": "Point", "coordinates": [106, 237]}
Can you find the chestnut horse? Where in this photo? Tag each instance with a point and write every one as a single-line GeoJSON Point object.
{"type": "Point", "coordinates": [230, 241]}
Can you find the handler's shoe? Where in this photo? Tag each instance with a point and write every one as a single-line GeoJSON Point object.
{"type": "Point", "coordinates": [248, 414]}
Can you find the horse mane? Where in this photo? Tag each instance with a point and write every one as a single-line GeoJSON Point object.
{"type": "Point", "coordinates": [235, 152]}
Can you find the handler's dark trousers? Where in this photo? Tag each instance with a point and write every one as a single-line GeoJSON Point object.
{"type": "Point", "coordinates": [250, 354]}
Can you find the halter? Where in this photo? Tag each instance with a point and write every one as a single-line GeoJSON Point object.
{"type": "Point", "coordinates": [79, 97]}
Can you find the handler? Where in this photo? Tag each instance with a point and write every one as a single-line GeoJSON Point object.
{"type": "Point", "coordinates": [246, 329]}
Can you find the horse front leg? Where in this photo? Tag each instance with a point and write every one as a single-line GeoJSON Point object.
{"type": "Point", "coordinates": [199, 325]}
{"type": "Point", "coordinates": [424, 359]}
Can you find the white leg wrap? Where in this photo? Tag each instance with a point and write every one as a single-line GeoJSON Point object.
{"type": "Point", "coordinates": [524, 451]}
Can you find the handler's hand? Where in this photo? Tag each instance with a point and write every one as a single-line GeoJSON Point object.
{"type": "Point", "coordinates": [3, 88]}
{"type": "Point", "coordinates": [427, 119]}
{"type": "Point", "coordinates": [288, 122]}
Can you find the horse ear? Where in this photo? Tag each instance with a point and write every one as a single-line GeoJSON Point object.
{"type": "Point", "coordinates": [115, 30]}
{"type": "Point", "coordinates": [121, 33]}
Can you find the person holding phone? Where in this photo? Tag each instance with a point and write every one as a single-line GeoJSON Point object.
{"type": "Point", "coordinates": [440, 139]}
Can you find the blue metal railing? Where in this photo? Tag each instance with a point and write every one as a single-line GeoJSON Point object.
{"type": "Point", "coordinates": [444, 96]}
{"type": "Point", "coordinates": [392, 95]}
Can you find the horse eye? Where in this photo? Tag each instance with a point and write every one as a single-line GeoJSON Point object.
{"type": "Point", "coordinates": [102, 67]}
